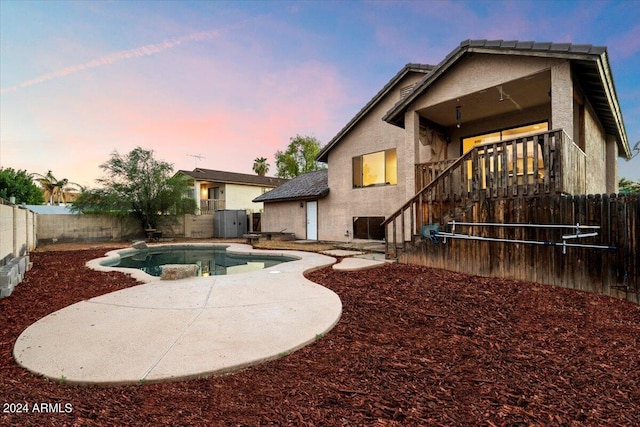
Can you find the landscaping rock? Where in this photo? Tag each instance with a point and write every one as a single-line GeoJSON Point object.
{"type": "Point", "coordinates": [6, 291]}
{"type": "Point", "coordinates": [5, 277]}
{"type": "Point", "coordinates": [11, 274]}
{"type": "Point", "coordinates": [178, 271]}
{"type": "Point", "coordinates": [139, 244]}
{"type": "Point", "coordinates": [22, 264]}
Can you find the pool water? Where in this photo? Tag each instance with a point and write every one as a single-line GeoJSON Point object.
{"type": "Point", "coordinates": [212, 261]}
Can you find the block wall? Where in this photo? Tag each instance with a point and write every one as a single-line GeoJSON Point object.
{"type": "Point", "coordinates": [17, 238]}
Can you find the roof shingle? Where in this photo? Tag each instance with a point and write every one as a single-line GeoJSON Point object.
{"type": "Point", "coordinates": [531, 45]}
{"type": "Point", "coordinates": [233, 177]}
{"type": "Point", "coordinates": [311, 185]}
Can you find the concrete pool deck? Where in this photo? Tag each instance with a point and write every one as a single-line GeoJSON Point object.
{"type": "Point", "coordinates": [188, 328]}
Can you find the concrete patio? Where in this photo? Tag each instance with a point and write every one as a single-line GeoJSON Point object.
{"type": "Point", "coordinates": [188, 328]}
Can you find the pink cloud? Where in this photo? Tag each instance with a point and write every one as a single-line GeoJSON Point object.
{"type": "Point", "coordinates": [627, 44]}
{"type": "Point", "coordinates": [297, 98]}
{"type": "Point", "coordinates": [137, 52]}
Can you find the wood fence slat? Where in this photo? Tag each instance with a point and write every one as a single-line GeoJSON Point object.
{"type": "Point", "coordinates": [536, 170]}
{"type": "Point", "coordinates": [622, 238]}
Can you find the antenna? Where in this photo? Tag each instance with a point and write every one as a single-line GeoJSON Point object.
{"type": "Point", "coordinates": [196, 157]}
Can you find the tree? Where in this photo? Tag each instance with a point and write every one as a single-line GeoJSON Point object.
{"type": "Point", "coordinates": [299, 157]}
{"type": "Point", "coordinates": [54, 189]}
{"type": "Point", "coordinates": [138, 184]}
{"type": "Point", "coordinates": [260, 166]}
{"type": "Point", "coordinates": [627, 186]}
{"type": "Point", "coordinates": [19, 184]}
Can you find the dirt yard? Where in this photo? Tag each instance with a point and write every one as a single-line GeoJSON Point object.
{"type": "Point", "coordinates": [414, 347]}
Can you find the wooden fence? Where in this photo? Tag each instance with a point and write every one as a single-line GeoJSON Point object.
{"type": "Point", "coordinates": [520, 181]}
{"type": "Point", "coordinates": [614, 272]}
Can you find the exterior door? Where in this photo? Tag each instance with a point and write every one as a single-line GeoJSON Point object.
{"type": "Point", "coordinates": [312, 220]}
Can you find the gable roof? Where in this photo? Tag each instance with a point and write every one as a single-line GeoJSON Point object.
{"type": "Point", "coordinates": [308, 186]}
{"type": "Point", "coordinates": [590, 64]}
{"type": "Point", "coordinates": [211, 175]}
{"type": "Point", "coordinates": [411, 67]}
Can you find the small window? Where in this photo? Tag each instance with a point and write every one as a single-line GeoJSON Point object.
{"type": "Point", "coordinates": [379, 168]}
{"type": "Point", "coordinates": [368, 227]}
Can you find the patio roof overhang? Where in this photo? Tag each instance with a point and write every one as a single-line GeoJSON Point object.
{"type": "Point", "coordinates": [509, 97]}
{"type": "Point", "coordinates": [590, 65]}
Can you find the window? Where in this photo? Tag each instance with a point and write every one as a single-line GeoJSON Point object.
{"type": "Point", "coordinates": [505, 134]}
{"type": "Point", "coordinates": [379, 168]}
{"type": "Point", "coordinates": [516, 168]}
{"type": "Point", "coordinates": [368, 227]}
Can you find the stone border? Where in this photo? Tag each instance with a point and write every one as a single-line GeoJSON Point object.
{"type": "Point", "coordinates": [12, 274]}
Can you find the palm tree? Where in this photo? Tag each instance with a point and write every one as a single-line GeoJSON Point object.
{"type": "Point", "coordinates": [54, 189]}
{"type": "Point", "coordinates": [260, 166]}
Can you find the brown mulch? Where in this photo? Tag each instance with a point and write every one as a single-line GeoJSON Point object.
{"type": "Point", "coordinates": [414, 346]}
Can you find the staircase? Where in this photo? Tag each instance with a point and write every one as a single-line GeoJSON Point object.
{"type": "Point", "coordinates": [543, 163]}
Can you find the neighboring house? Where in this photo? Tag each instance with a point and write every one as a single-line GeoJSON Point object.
{"type": "Point", "coordinates": [501, 117]}
{"type": "Point", "coordinates": [219, 190]}
{"type": "Point", "coordinates": [297, 202]}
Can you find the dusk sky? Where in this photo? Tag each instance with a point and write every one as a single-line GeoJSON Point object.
{"type": "Point", "coordinates": [232, 81]}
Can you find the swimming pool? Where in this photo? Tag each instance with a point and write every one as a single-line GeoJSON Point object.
{"type": "Point", "coordinates": [211, 260]}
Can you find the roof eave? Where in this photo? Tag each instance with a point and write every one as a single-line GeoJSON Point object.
{"type": "Point", "coordinates": [624, 149]}
{"type": "Point", "coordinates": [318, 196]}
{"type": "Point", "coordinates": [395, 116]}
{"type": "Point", "coordinates": [196, 176]}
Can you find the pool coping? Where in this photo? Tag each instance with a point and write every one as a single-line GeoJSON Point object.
{"type": "Point", "coordinates": [141, 276]}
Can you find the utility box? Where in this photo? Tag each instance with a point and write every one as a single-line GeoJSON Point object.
{"type": "Point", "coordinates": [229, 223]}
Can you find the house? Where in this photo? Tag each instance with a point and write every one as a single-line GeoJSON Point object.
{"type": "Point", "coordinates": [297, 202]}
{"type": "Point", "coordinates": [219, 190]}
{"type": "Point", "coordinates": [493, 119]}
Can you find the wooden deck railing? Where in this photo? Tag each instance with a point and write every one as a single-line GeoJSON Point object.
{"type": "Point", "coordinates": [543, 163]}
{"type": "Point", "coordinates": [428, 172]}
{"type": "Point", "coordinates": [209, 206]}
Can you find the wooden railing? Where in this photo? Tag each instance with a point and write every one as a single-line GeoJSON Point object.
{"type": "Point", "coordinates": [544, 163]}
{"type": "Point", "coordinates": [428, 172]}
{"type": "Point", "coordinates": [209, 206]}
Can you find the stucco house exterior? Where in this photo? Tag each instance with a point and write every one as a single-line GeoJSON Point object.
{"type": "Point", "coordinates": [502, 117]}
{"type": "Point", "coordinates": [298, 202]}
{"type": "Point", "coordinates": [219, 190]}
